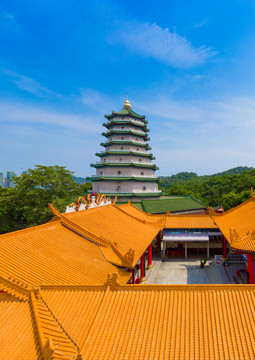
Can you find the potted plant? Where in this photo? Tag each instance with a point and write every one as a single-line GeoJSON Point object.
{"type": "Point", "coordinates": [203, 262]}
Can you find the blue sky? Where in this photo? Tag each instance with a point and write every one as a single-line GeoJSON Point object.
{"type": "Point", "coordinates": [187, 65]}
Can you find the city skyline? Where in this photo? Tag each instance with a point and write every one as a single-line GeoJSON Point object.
{"type": "Point", "coordinates": [187, 66]}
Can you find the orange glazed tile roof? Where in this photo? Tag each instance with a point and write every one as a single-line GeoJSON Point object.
{"type": "Point", "coordinates": [158, 321]}
{"type": "Point", "coordinates": [172, 221]}
{"type": "Point", "coordinates": [238, 225]}
{"type": "Point", "coordinates": [189, 222]}
{"type": "Point", "coordinates": [114, 321]}
{"type": "Point", "coordinates": [53, 254]}
{"type": "Point", "coordinates": [122, 237]}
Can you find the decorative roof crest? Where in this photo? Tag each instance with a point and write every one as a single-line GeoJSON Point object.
{"type": "Point", "coordinates": [234, 236]}
{"type": "Point", "coordinates": [112, 280]}
{"type": "Point", "coordinates": [127, 104]}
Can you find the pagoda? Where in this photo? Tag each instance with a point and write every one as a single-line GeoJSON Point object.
{"type": "Point", "coordinates": [125, 168]}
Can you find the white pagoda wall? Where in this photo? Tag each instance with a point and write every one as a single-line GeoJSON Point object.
{"type": "Point", "coordinates": [127, 148]}
{"type": "Point", "coordinates": [126, 137]}
{"type": "Point", "coordinates": [125, 187]}
{"type": "Point", "coordinates": [126, 118]}
{"type": "Point", "coordinates": [124, 172]}
{"type": "Point", "coordinates": [125, 159]}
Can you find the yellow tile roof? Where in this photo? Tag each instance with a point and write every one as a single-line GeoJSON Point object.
{"type": "Point", "coordinates": [17, 340]}
{"type": "Point", "coordinates": [29, 330]}
{"type": "Point", "coordinates": [172, 221]}
{"type": "Point", "coordinates": [189, 222]}
{"type": "Point", "coordinates": [53, 254]}
{"type": "Point", "coordinates": [238, 225]}
{"type": "Point", "coordinates": [114, 321]}
{"type": "Point", "coordinates": [158, 321]}
{"type": "Point", "coordinates": [117, 232]}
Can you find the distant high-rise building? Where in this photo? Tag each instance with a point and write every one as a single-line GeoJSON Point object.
{"type": "Point", "coordinates": [9, 177]}
{"type": "Point", "coordinates": [1, 179]}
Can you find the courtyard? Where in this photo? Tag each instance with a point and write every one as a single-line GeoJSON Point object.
{"type": "Point", "coordinates": [188, 271]}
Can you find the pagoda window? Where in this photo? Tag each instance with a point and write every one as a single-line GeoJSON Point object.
{"type": "Point", "coordinates": [121, 148]}
{"type": "Point", "coordinates": [137, 149]}
{"type": "Point", "coordinates": [119, 172]}
{"type": "Point", "coordinates": [120, 159]}
{"type": "Point", "coordinates": [122, 138]}
{"type": "Point", "coordinates": [101, 172]}
{"type": "Point", "coordinates": [144, 188]}
{"type": "Point", "coordinates": [122, 127]}
{"type": "Point", "coordinates": [142, 173]}
{"type": "Point", "coordinates": [140, 159]}
{"type": "Point", "coordinates": [117, 187]}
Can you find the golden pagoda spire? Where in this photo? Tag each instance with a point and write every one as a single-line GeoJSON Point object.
{"type": "Point", "coordinates": [127, 104]}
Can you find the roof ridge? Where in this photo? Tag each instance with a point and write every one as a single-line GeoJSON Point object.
{"type": "Point", "coordinates": [238, 206]}
{"type": "Point", "coordinates": [132, 216]}
{"type": "Point", "coordinates": [44, 320]}
{"type": "Point", "coordinates": [15, 287]}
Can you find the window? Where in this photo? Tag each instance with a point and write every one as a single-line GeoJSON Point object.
{"type": "Point", "coordinates": [144, 188]}
{"type": "Point", "coordinates": [120, 160]}
{"type": "Point", "coordinates": [117, 187]}
{"type": "Point", "coordinates": [121, 148]}
{"type": "Point", "coordinates": [119, 172]}
{"type": "Point", "coordinates": [140, 159]}
{"type": "Point", "coordinates": [137, 149]}
{"type": "Point", "coordinates": [142, 173]}
{"type": "Point", "coordinates": [122, 138]}
{"type": "Point", "coordinates": [101, 172]}
{"type": "Point", "coordinates": [135, 139]}
{"type": "Point", "coordinates": [122, 127]}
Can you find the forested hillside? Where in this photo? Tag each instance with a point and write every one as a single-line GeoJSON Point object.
{"type": "Point", "coordinates": [228, 189]}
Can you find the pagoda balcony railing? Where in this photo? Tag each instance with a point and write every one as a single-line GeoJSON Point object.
{"type": "Point", "coordinates": [127, 128]}
{"type": "Point", "coordinates": [133, 150]}
{"type": "Point", "coordinates": [124, 161]}
{"type": "Point", "coordinates": [130, 119]}
{"type": "Point", "coordinates": [125, 175]}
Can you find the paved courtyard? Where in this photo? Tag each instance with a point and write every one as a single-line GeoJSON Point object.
{"type": "Point", "coordinates": [188, 271]}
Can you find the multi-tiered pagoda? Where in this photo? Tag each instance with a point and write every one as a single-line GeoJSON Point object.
{"type": "Point", "coordinates": [125, 168]}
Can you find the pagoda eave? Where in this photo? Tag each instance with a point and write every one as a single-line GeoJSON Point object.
{"type": "Point", "coordinates": [125, 132]}
{"type": "Point", "coordinates": [122, 178]}
{"type": "Point", "coordinates": [148, 166]}
{"type": "Point", "coordinates": [113, 142]}
{"type": "Point", "coordinates": [107, 153]}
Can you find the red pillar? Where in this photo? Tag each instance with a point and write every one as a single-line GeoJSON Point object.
{"type": "Point", "coordinates": [142, 279]}
{"type": "Point", "coordinates": [251, 268]}
{"type": "Point", "coordinates": [224, 248]}
{"type": "Point", "coordinates": [149, 257]}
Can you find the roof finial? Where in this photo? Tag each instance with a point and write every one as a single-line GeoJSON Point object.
{"type": "Point", "coordinates": [127, 104]}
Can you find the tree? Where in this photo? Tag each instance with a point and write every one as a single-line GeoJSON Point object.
{"type": "Point", "coordinates": [26, 204]}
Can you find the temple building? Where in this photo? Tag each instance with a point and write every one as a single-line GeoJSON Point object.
{"type": "Point", "coordinates": [125, 167]}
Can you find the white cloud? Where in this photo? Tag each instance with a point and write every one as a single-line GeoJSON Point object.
{"type": "Point", "coordinates": [14, 112]}
{"type": "Point", "coordinates": [8, 21]}
{"type": "Point", "coordinates": [150, 40]}
{"type": "Point", "coordinates": [28, 84]}
{"type": "Point", "coordinates": [201, 23]}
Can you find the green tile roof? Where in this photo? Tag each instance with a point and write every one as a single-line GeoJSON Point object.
{"type": "Point", "coordinates": [121, 178]}
{"type": "Point", "coordinates": [125, 122]}
{"type": "Point", "coordinates": [125, 152]}
{"type": "Point", "coordinates": [122, 164]}
{"type": "Point", "coordinates": [125, 112]}
{"type": "Point", "coordinates": [172, 204]}
{"type": "Point", "coordinates": [125, 142]}
{"type": "Point", "coordinates": [132, 132]}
